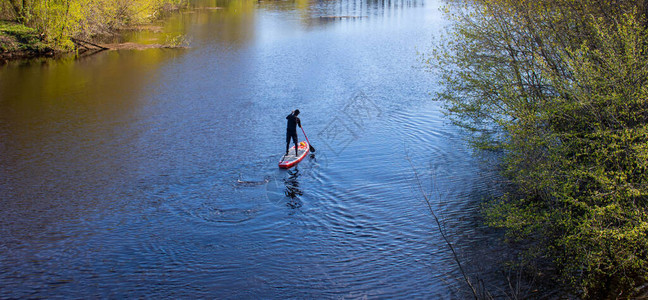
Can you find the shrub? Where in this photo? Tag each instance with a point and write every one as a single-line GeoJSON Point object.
{"type": "Point", "coordinates": [560, 87]}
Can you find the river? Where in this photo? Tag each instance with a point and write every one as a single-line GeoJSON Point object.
{"type": "Point", "coordinates": [153, 173]}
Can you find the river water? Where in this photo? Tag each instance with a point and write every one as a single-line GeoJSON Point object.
{"type": "Point", "coordinates": [148, 173]}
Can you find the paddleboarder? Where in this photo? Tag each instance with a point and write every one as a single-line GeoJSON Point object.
{"type": "Point", "coordinates": [291, 130]}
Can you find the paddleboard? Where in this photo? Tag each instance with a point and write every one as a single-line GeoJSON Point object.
{"type": "Point", "coordinates": [288, 161]}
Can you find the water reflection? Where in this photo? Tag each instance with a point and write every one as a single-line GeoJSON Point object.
{"type": "Point", "coordinates": [283, 188]}
{"type": "Point", "coordinates": [292, 190]}
{"type": "Point", "coordinates": [68, 129]}
{"type": "Point", "coordinates": [231, 23]}
{"type": "Point", "coordinates": [236, 23]}
{"type": "Point", "coordinates": [314, 14]}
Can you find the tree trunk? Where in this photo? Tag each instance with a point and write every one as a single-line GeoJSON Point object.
{"type": "Point", "coordinates": [16, 5]}
{"type": "Point", "coordinates": [22, 10]}
{"type": "Point", "coordinates": [644, 13]}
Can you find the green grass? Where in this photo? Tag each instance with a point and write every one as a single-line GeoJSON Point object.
{"type": "Point", "coordinates": [17, 37]}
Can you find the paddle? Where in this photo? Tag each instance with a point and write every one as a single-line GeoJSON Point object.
{"type": "Point", "coordinates": [312, 149]}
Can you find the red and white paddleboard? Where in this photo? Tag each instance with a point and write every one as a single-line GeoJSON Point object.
{"type": "Point", "coordinates": [288, 161]}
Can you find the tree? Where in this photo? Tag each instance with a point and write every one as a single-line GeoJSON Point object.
{"type": "Point", "coordinates": [560, 87]}
{"type": "Point", "coordinates": [22, 10]}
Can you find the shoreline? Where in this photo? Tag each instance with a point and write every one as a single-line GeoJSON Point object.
{"type": "Point", "coordinates": [19, 42]}
{"type": "Point", "coordinates": [14, 55]}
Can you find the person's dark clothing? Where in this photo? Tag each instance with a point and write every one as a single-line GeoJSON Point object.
{"type": "Point", "coordinates": [293, 121]}
{"type": "Point", "coordinates": [293, 136]}
{"type": "Point", "coordinates": [291, 131]}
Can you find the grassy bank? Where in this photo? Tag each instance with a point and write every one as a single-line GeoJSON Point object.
{"type": "Point", "coordinates": [17, 40]}
{"type": "Point", "coordinates": [40, 26]}
{"type": "Point", "coordinates": [560, 89]}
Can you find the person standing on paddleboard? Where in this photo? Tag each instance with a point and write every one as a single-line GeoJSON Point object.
{"type": "Point", "coordinates": [291, 130]}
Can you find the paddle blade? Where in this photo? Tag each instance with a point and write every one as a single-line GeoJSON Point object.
{"type": "Point", "coordinates": [312, 149]}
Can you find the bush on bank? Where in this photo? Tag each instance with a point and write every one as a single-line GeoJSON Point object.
{"type": "Point", "coordinates": [561, 88]}
{"type": "Point", "coordinates": [59, 20]}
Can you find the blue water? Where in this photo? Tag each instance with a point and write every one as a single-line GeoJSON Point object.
{"type": "Point", "coordinates": [153, 173]}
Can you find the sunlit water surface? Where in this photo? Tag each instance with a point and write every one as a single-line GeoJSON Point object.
{"type": "Point", "coordinates": [154, 172]}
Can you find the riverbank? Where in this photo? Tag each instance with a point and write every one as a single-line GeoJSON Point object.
{"type": "Point", "coordinates": [27, 32]}
{"type": "Point", "coordinates": [19, 41]}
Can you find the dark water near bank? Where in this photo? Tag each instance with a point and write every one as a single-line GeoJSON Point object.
{"type": "Point", "coordinates": [154, 173]}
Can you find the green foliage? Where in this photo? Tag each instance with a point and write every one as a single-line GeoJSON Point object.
{"type": "Point", "coordinates": [560, 87]}
{"type": "Point", "coordinates": [60, 20]}
{"type": "Point", "coordinates": [20, 31]}
{"type": "Point", "coordinates": [175, 41]}
{"type": "Point", "coordinates": [18, 37]}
